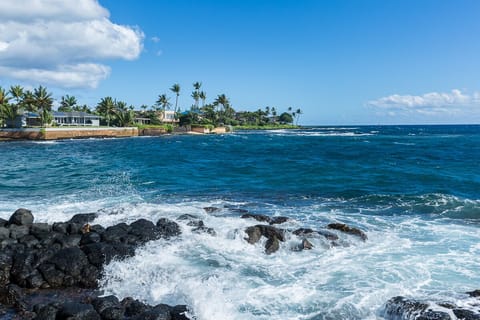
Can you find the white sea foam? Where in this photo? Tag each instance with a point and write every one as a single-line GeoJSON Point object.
{"type": "Point", "coordinates": [225, 277]}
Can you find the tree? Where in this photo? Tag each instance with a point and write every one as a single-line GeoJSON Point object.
{"type": "Point", "coordinates": [125, 118]}
{"type": "Point", "coordinates": [5, 107]}
{"type": "Point", "coordinates": [17, 93]}
{"type": "Point", "coordinates": [202, 95]}
{"type": "Point", "coordinates": [196, 97]}
{"type": "Point", "coordinates": [176, 89]}
{"type": "Point", "coordinates": [42, 99]}
{"type": "Point", "coordinates": [197, 85]}
{"type": "Point", "coordinates": [225, 103]}
{"type": "Point", "coordinates": [298, 113]}
{"type": "Point", "coordinates": [106, 108]}
{"type": "Point", "coordinates": [28, 101]}
{"type": "Point", "coordinates": [67, 103]}
{"type": "Point", "coordinates": [163, 102]}
{"type": "Point", "coordinates": [286, 118]}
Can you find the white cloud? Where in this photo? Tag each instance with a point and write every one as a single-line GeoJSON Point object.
{"type": "Point", "coordinates": [433, 103]}
{"type": "Point", "coordinates": [62, 42]}
{"type": "Point", "coordinates": [155, 39]}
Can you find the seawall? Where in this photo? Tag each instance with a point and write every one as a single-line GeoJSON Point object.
{"type": "Point", "coordinates": [66, 133]}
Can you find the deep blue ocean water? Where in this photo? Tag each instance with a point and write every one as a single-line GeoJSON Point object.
{"type": "Point", "coordinates": [415, 191]}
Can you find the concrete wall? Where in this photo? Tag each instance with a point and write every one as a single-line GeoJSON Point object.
{"type": "Point", "coordinates": [64, 133]}
{"type": "Point", "coordinates": [152, 132]}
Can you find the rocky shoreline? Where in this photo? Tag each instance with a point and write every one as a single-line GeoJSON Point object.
{"type": "Point", "coordinates": [51, 271]}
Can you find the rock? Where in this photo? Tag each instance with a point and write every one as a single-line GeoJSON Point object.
{"type": "Point", "coordinates": [97, 228]}
{"type": "Point", "coordinates": [203, 229]}
{"type": "Point", "coordinates": [403, 308]}
{"type": "Point", "coordinates": [91, 237]}
{"type": "Point", "coordinates": [434, 315]}
{"type": "Point", "coordinates": [258, 217]}
{"type": "Point", "coordinates": [349, 230]}
{"type": "Point", "coordinates": [116, 233]}
{"type": "Point", "coordinates": [53, 276]}
{"type": "Point", "coordinates": [46, 312]}
{"type": "Point", "coordinates": [211, 209]}
{"type": "Point", "coordinates": [70, 261]}
{"type": "Point", "coordinates": [74, 228]}
{"type": "Point", "coordinates": [18, 231]}
{"type": "Point", "coordinates": [40, 229]}
{"type": "Point", "coordinates": [29, 241]}
{"type": "Point", "coordinates": [3, 222]}
{"type": "Point", "coordinates": [254, 234]}
{"type": "Point", "coordinates": [178, 312]}
{"type": "Point", "coordinates": [474, 293]}
{"type": "Point", "coordinates": [144, 230]}
{"type": "Point", "coordinates": [60, 227]}
{"type": "Point", "coordinates": [4, 233]}
{"type": "Point", "coordinates": [21, 217]}
{"type": "Point", "coordinates": [306, 245]}
{"type": "Point", "coordinates": [5, 267]}
{"type": "Point", "coordinates": [269, 231]}
{"type": "Point", "coordinates": [108, 307]}
{"type": "Point", "coordinates": [272, 245]}
{"type": "Point", "coordinates": [159, 312]}
{"type": "Point", "coordinates": [278, 220]}
{"type": "Point", "coordinates": [83, 218]}
{"type": "Point", "coordinates": [466, 314]}
{"type": "Point", "coordinates": [193, 221]}
{"type": "Point", "coordinates": [133, 307]}
{"type": "Point", "coordinates": [13, 295]}
{"type": "Point", "coordinates": [168, 228]}
{"type": "Point", "coordinates": [307, 232]}
{"type": "Point", "coordinates": [80, 311]}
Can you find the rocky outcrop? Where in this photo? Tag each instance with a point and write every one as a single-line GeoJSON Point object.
{"type": "Point", "coordinates": [264, 218]}
{"type": "Point", "coordinates": [349, 230]}
{"type": "Point", "coordinates": [399, 308]}
{"type": "Point", "coordinates": [72, 254]}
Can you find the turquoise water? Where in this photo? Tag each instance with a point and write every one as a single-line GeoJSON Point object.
{"type": "Point", "coordinates": [415, 190]}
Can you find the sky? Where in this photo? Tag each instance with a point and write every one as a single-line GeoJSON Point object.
{"type": "Point", "coordinates": [341, 62]}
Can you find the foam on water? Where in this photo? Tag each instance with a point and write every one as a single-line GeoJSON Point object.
{"type": "Point", "coordinates": [225, 277]}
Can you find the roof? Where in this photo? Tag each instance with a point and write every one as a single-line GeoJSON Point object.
{"type": "Point", "coordinates": [58, 114]}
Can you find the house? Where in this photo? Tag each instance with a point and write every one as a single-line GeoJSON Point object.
{"type": "Point", "coordinates": [74, 118]}
{"type": "Point", "coordinates": [168, 116]}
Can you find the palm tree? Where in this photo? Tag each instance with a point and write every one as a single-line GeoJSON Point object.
{"type": "Point", "coordinates": [121, 105]}
{"type": "Point", "coordinates": [43, 101]}
{"type": "Point", "coordinates": [43, 98]}
{"type": "Point", "coordinates": [106, 108]}
{"type": "Point", "coordinates": [67, 103]}
{"type": "Point", "coordinates": [28, 101]}
{"type": "Point", "coordinates": [164, 102]}
{"type": "Point", "coordinates": [176, 89]}
{"type": "Point", "coordinates": [196, 97]}
{"type": "Point", "coordinates": [224, 102]}
{"type": "Point", "coordinates": [17, 93]}
{"type": "Point", "coordinates": [197, 85]}
{"type": "Point", "coordinates": [202, 95]}
{"type": "Point", "coordinates": [125, 117]}
{"type": "Point", "coordinates": [298, 112]}
{"type": "Point", "coordinates": [4, 105]}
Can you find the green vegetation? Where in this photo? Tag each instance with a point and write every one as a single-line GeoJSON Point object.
{"type": "Point", "coordinates": [219, 112]}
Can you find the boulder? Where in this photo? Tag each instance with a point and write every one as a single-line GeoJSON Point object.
{"type": "Point", "coordinates": [211, 209]}
{"type": "Point", "coordinates": [159, 312]}
{"type": "Point", "coordinates": [434, 315]}
{"type": "Point", "coordinates": [70, 261]}
{"type": "Point", "coordinates": [5, 267]}
{"type": "Point", "coordinates": [116, 234]}
{"type": "Point", "coordinates": [21, 217]}
{"type": "Point", "coordinates": [77, 311]}
{"type": "Point", "coordinates": [272, 245]}
{"type": "Point", "coordinates": [3, 222]}
{"type": "Point", "coordinates": [347, 229]}
{"type": "Point", "coordinates": [402, 308]}
{"type": "Point", "coordinates": [278, 220]}
{"type": "Point", "coordinates": [258, 217]}
{"type": "Point", "coordinates": [168, 228]}
{"type": "Point", "coordinates": [474, 293]}
{"type": "Point", "coordinates": [133, 308]}
{"type": "Point", "coordinates": [4, 233]}
{"type": "Point", "coordinates": [144, 230]}
{"type": "Point", "coordinates": [90, 237]}
{"type": "Point", "coordinates": [18, 231]}
{"type": "Point", "coordinates": [83, 218]}
{"type": "Point", "coordinates": [178, 312]}
{"type": "Point", "coordinates": [46, 312]}
{"type": "Point", "coordinates": [254, 234]}
{"type": "Point", "coordinates": [466, 314]}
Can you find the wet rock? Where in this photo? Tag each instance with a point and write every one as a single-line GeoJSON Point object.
{"type": "Point", "coordinates": [168, 228]}
{"type": "Point", "coordinates": [258, 217]}
{"type": "Point", "coordinates": [144, 230]}
{"type": "Point", "coordinates": [46, 312]}
{"type": "Point", "coordinates": [474, 293]}
{"type": "Point", "coordinates": [403, 308]}
{"type": "Point", "coordinates": [133, 307]}
{"type": "Point", "coordinates": [178, 312]}
{"type": "Point", "coordinates": [434, 315]}
{"type": "Point", "coordinates": [264, 218]}
{"type": "Point", "coordinates": [29, 241]}
{"type": "Point", "coordinates": [272, 245]}
{"type": "Point", "coordinates": [3, 222]}
{"type": "Point", "coordinates": [13, 295]}
{"type": "Point", "coordinates": [97, 228]}
{"type": "Point", "coordinates": [80, 311]}
{"type": "Point", "coordinates": [83, 218]}
{"type": "Point", "coordinates": [5, 267]}
{"type": "Point", "coordinates": [306, 245]}
{"type": "Point", "coordinates": [4, 233]}
{"type": "Point", "coordinates": [269, 232]}
{"type": "Point", "coordinates": [278, 220]}
{"type": "Point", "coordinates": [159, 312]}
{"type": "Point", "coordinates": [21, 217]}
{"type": "Point", "coordinates": [90, 237]}
{"type": "Point", "coordinates": [307, 232]}
{"type": "Point", "coordinates": [116, 233]}
{"type": "Point", "coordinates": [70, 261]}
{"type": "Point", "coordinates": [74, 228]}
{"type": "Point", "coordinates": [53, 276]}
{"type": "Point", "coordinates": [254, 234]}
{"type": "Point", "coordinates": [18, 231]}
{"type": "Point", "coordinates": [60, 227]}
{"type": "Point", "coordinates": [193, 221]}
{"type": "Point", "coordinates": [204, 229]}
{"type": "Point", "coordinates": [347, 229]}
{"type": "Point", "coordinates": [211, 209]}
{"type": "Point", "coordinates": [466, 314]}
{"type": "Point", "coordinates": [108, 307]}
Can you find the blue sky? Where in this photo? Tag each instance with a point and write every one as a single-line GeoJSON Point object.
{"type": "Point", "coordinates": [341, 62]}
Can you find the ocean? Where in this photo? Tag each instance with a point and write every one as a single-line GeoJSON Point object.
{"type": "Point", "coordinates": [414, 190]}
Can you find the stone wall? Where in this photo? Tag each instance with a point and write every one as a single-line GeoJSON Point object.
{"type": "Point", "coordinates": [64, 133]}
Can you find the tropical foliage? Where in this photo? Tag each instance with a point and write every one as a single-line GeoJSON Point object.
{"type": "Point", "coordinates": [17, 100]}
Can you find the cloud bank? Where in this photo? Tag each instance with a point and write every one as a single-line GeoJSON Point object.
{"type": "Point", "coordinates": [433, 103]}
{"type": "Point", "coordinates": [62, 42]}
